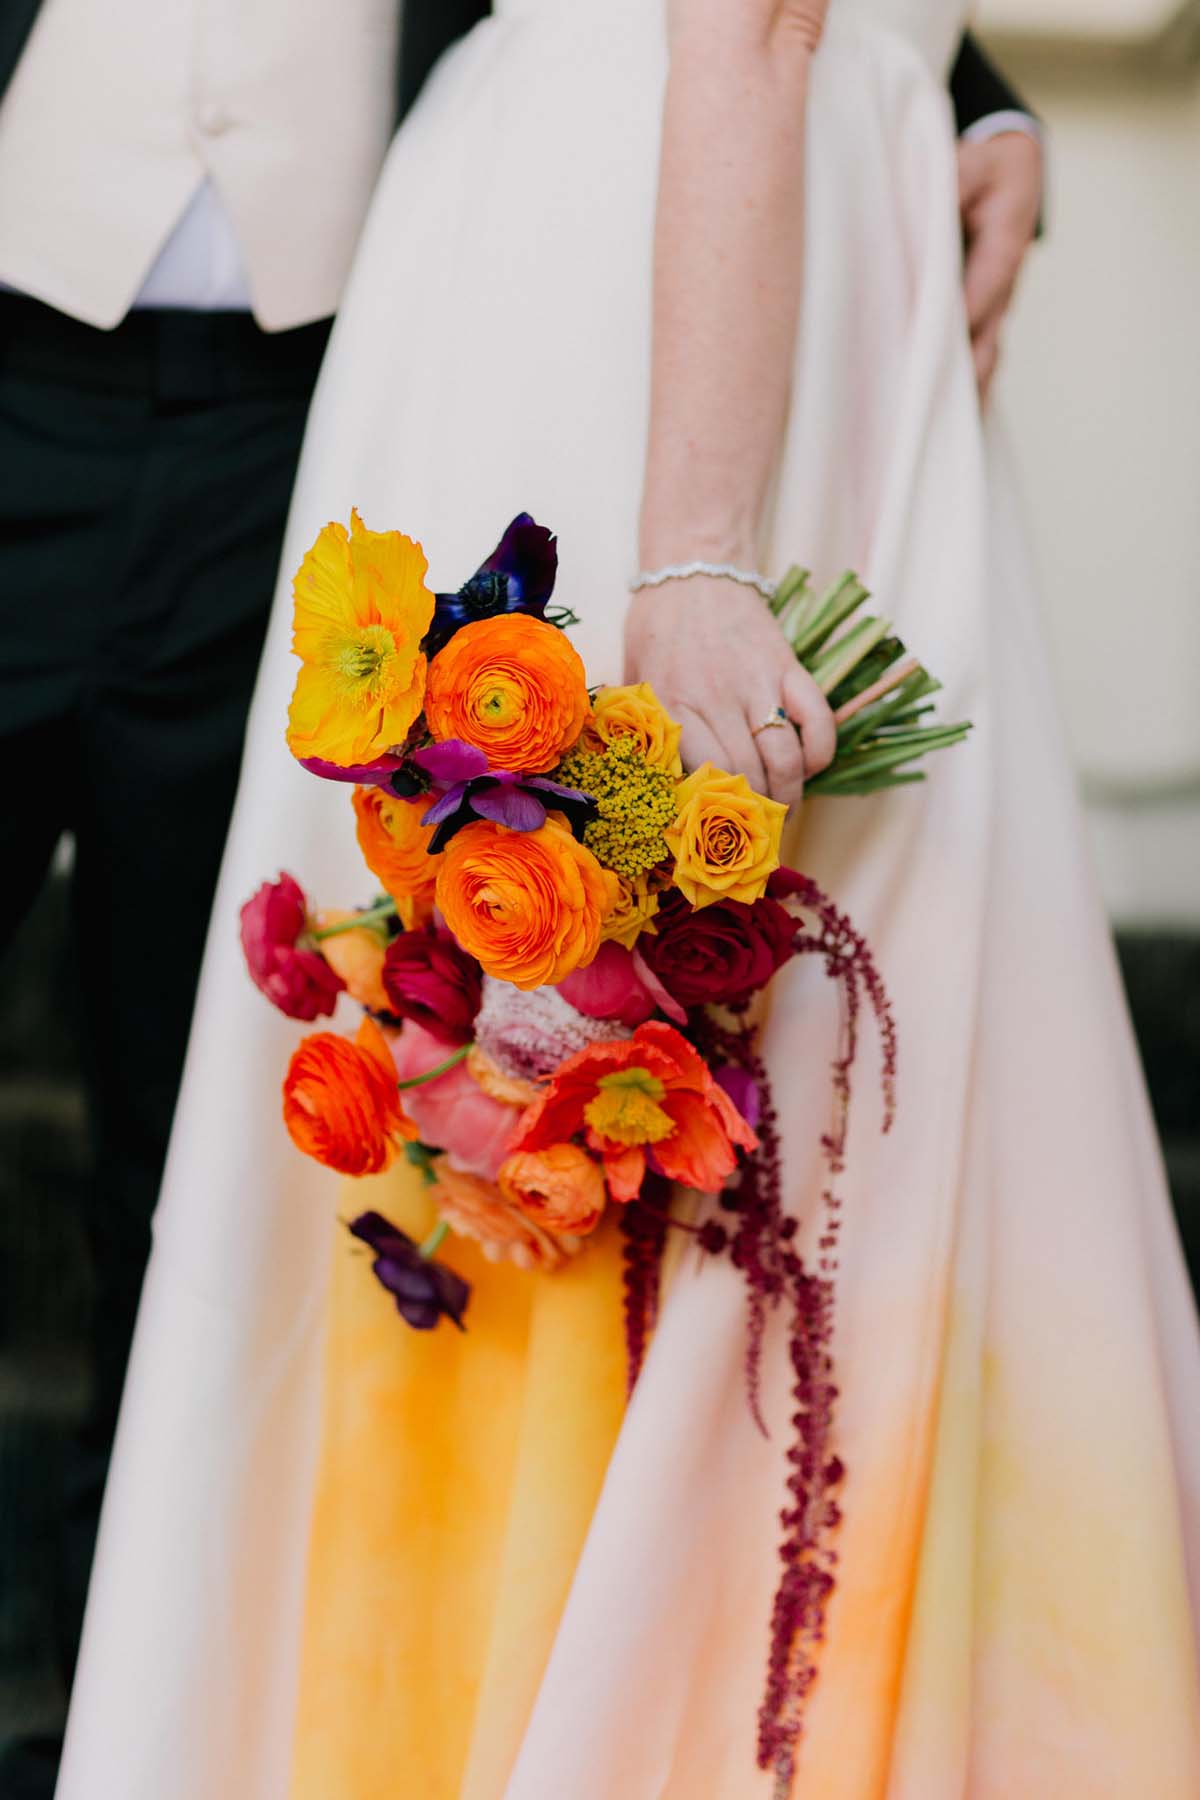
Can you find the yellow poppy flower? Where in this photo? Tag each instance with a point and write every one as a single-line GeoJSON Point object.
{"type": "Point", "coordinates": [361, 611]}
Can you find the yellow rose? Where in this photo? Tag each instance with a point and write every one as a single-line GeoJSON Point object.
{"type": "Point", "coordinates": [637, 903]}
{"type": "Point", "coordinates": [637, 712]}
{"type": "Point", "coordinates": [724, 838]}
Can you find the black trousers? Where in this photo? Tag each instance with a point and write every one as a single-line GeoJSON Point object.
{"type": "Point", "coordinates": [144, 482]}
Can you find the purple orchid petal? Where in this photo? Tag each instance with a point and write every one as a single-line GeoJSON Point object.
{"type": "Point", "coordinates": [449, 802]}
{"type": "Point", "coordinates": [450, 762]}
{"type": "Point", "coordinates": [509, 805]}
{"type": "Point", "coordinates": [373, 774]}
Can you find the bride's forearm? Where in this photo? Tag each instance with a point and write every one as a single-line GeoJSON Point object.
{"type": "Point", "coordinates": [727, 272]}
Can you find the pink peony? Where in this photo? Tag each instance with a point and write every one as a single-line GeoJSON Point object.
{"type": "Point", "coordinates": [609, 988]}
{"type": "Point", "coordinates": [452, 1113]}
{"type": "Point", "coordinates": [299, 982]}
{"type": "Point", "coordinates": [431, 981]}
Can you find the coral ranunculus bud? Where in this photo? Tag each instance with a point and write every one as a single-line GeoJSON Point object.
{"type": "Point", "coordinates": [341, 1101]}
{"type": "Point", "coordinates": [561, 1188]}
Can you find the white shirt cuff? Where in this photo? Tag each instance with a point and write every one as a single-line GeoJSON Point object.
{"type": "Point", "coordinates": [992, 124]}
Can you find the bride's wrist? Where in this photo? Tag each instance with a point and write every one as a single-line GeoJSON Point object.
{"type": "Point", "coordinates": [660, 545]}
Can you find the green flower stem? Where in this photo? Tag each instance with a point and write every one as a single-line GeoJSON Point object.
{"type": "Point", "coordinates": [443, 1068]}
{"type": "Point", "coordinates": [794, 584]}
{"type": "Point", "coordinates": [363, 921]}
{"type": "Point", "coordinates": [879, 693]}
{"type": "Point", "coordinates": [897, 712]}
{"type": "Point", "coordinates": [898, 673]}
{"type": "Point", "coordinates": [434, 1241]}
{"type": "Point", "coordinates": [846, 652]}
{"type": "Point", "coordinates": [832, 609]}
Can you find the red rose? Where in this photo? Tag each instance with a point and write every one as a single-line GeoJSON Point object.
{"type": "Point", "coordinates": [428, 979]}
{"type": "Point", "coordinates": [720, 954]}
{"type": "Point", "coordinates": [299, 982]}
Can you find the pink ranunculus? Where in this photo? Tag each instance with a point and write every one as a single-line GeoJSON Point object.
{"type": "Point", "coordinates": [452, 1112]}
{"type": "Point", "coordinates": [609, 988]}
{"type": "Point", "coordinates": [298, 981]}
{"type": "Point", "coordinates": [430, 980]}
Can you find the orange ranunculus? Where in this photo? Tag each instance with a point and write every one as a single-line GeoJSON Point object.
{"type": "Point", "coordinates": [341, 1103]}
{"type": "Point", "coordinates": [395, 847]}
{"type": "Point", "coordinates": [652, 1089]}
{"type": "Point", "coordinates": [527, 905]}
{"type": "Point", "coordinates": [357, 958]}
{"type": "Point", "coordinates": [361, 611]}
{"type": "Point", "coordinates": [560, 1187]}
{"type": "Point", "coordinates": [514, 687]}
{"type": "Point", "coordinates": [636, 711]}
{"type": "Point", "coordinates": [724, 838]}
{"type": "Point", "coordinates": [476, 1208]}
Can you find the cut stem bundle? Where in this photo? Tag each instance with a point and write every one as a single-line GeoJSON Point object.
{"type": "Point", "coordinates": [878, 691]}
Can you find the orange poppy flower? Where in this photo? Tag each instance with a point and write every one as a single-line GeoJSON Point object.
{"type": "Point", "coordinates": [341, 1102]}
{"type": "Point", "coordinates": [395, 847]}
{"type": "Point", "coordinates": [512, 686]}
{"type": "Point", "coordinates": [649, 1093]}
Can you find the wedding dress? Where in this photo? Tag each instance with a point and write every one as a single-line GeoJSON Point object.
{"type": "Point", "coordinates": [470, 1576]}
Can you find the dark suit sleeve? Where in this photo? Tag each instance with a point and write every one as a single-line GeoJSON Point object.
{"type": "Point", "coordinates": [427, 28]}
{"type": "Point", "coordinates": [16, 22]}
{"type": "Point", "coordinates": [977, 87]}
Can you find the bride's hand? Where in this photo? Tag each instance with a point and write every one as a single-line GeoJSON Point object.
{"type": "Point", "coordinates": [720, 665]}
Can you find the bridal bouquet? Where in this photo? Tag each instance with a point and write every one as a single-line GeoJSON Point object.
{"type": "Point", "coordinates": [558, 985]}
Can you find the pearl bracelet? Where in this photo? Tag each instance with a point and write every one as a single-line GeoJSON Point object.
{"type": "Point", "coordinates": [652, 578]}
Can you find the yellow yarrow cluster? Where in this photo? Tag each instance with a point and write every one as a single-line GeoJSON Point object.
{"type": "Point", "coordinates": [635, 802]}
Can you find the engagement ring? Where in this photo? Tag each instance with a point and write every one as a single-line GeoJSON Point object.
{"type": "Point", "coordinates": [778, 716]}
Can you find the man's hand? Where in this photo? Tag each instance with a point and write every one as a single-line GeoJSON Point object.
{"type": "Point", "coordinates": [1000, 197]}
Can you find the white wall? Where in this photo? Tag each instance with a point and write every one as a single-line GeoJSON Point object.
{"type": "Point", "coordinates": [1101, 392]}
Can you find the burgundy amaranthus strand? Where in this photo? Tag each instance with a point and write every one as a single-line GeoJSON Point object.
{"type": "Point", "coordinates": [760, 1242]}
{"type": "Point", "coordinates": [644, 1224]}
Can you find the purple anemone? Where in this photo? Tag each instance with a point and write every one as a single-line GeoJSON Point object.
{"type": "Point", "coordinates": [471, 790]}
{"type": "Point", "coordinates": [518, 576]}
